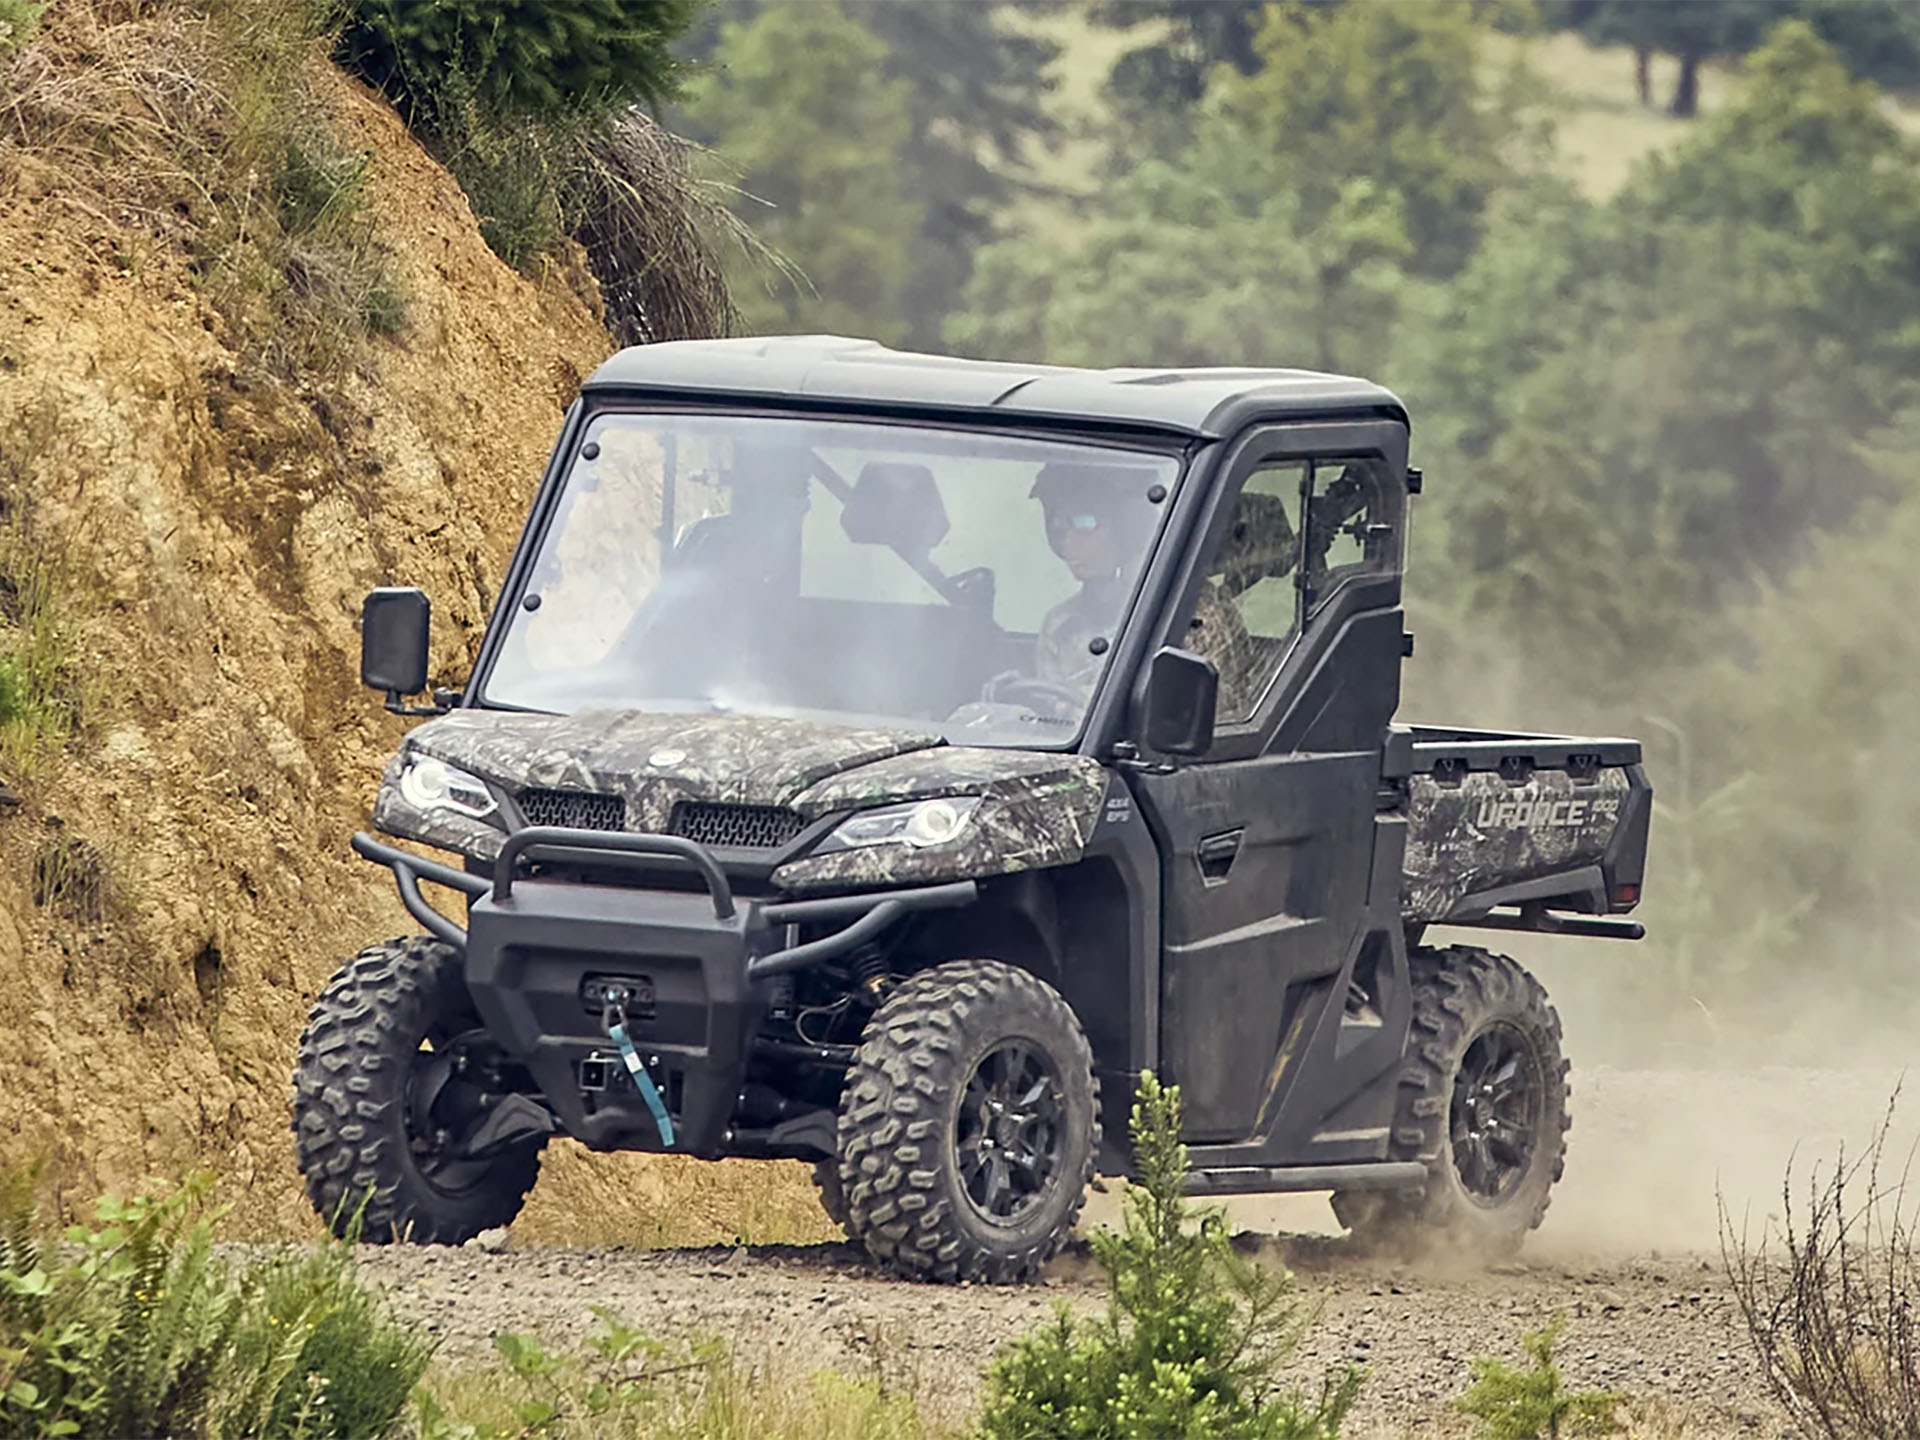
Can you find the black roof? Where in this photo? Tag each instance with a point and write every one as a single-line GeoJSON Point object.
{"type": "Point", "coordinates": [830, 369]}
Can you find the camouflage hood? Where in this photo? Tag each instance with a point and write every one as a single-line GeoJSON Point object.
{"type": "Point", "coordinates": [1035, 808]}
{"type": "Point", "coordinates": [650, 759]}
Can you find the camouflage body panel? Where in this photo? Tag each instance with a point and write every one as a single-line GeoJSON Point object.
{"type": "Point", "coordinates": [651, 761]}
{"type": "Point", "coordinates": [443, 829]}
{"type": "Point", "coordinates": [1486, 831]}
{"type": "Point", "coordinates": [1035, 810]}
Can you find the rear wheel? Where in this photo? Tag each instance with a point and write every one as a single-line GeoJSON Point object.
{"type": "Point", "coordinates": [969, 1125]}
{"type": "Point", "coordinates": [395, 1072]}
{"type": "Point", "coordinates": [1482, 1104]}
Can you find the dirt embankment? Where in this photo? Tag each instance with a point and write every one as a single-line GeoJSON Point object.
{"type": "Point", "coordinates": [176, 884]}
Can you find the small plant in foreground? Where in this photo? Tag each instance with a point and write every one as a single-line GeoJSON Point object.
{"type": "Point", "coordinates": [132, 1326]}
{"type": "Point", "coordinates": [1194, 1333]}
{"type": "Point", "coordinates": [1531, 1404]}
{"type": "Point", "coordinates": [1831, 1314]}
{"type": "Point", "coordinates": [628, 1386]}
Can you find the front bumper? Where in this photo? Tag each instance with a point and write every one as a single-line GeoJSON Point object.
{"type": "Point", "coordinates": [692, 971]}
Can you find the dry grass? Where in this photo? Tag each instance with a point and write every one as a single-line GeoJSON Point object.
{"type": "Point", "coordinates": [1829, 1302]}
{"type": "Point", "coordinates": [196, 126]}
{"type": "Point", "coordinates": [626, 1384]}
{"type": "Point", "coordinates": [46, 692]}
{"type": "Point", "coordinates": [647, 223]}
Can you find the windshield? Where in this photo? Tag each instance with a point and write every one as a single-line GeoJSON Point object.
{"type": "Point", "coordinates": [949, 581]}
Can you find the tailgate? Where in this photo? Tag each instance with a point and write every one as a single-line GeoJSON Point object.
{"type": "Point", "coordinates": [1540, 822]}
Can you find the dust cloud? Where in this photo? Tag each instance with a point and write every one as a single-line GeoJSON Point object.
{"type": "Point", "coordinates": [1660, 1143]}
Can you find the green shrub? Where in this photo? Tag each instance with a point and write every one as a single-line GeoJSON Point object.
{"type": "Point", "coordinates": [532, 108]}
{"type": "Point", "coordinates": [1531, 1404]}
{"type": "Point", "coordinates": [134, 1327]}
{"type": "Point", "coordinates": [1193, 1336]}
{"type": "Point", "coordinates": [318, 184]}
{"type": "Point", "coordinates": [13, 691]}
{"type": "Point", "coordinates": [43, 692]}
{"type": "Point", "coordinates": [515, 183]}
{"type": "Point", "coordinates": [539, 60]}
{"type": "Point", "coordinates": [18, 20]}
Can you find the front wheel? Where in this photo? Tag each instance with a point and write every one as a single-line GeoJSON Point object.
{"type": "Point", "coordinates": [969, 1125]}
{"type": "Point", "coordinates": [1482, 1104]}
{"type": "Point", "coordinates": [394, 1073]}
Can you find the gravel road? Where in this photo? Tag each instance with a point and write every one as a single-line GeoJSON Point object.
{"type": "Point", "coordinates": [1629, 1256]}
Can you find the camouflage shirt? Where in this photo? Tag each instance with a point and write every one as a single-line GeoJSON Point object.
{"type": "Point", "coordinates": [1064, 656]}
{"type": "Point", "coordinates": [1069, 629]}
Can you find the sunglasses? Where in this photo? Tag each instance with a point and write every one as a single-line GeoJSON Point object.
{"type": "Point", "coordinates": [1059, 521]}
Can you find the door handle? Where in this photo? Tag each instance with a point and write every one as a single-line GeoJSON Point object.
{"type": "Point", "coordinates": [1216, 853]}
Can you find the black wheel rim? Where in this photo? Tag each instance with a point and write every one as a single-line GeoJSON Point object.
{"type": "Point", "coordinates": [1009, 1132]}
{"type": "Point", "coordinates": [447, 1098]}
{"type": "Point", "coordinates": [1498, 1107]}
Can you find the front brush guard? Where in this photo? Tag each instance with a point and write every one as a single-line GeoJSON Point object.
{"type": "Point", "coordinates": [869, 912]}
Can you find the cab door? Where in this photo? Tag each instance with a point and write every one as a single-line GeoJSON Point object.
{"type": "Point", "coordinates": [1279, 924]}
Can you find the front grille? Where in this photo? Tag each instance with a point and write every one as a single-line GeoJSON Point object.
{"type": "Point", "coordinates": [575, 809]}
{"type": "Point", "coordinates": [740, 827]}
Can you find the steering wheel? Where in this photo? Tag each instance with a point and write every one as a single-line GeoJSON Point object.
{"type": "Point", "coordinates": [1010, 685]}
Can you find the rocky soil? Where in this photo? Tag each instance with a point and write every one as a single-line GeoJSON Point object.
{"type": "Point", "coordinates": [1629, 1258]}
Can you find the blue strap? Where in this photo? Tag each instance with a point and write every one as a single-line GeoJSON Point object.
{"type": "Point", "coordinates": [617, 1033]}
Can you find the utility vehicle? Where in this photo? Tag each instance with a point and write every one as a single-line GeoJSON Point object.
{"type": "Point", "coordinates": [879, 760]}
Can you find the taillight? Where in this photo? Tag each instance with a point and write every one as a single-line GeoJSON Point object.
{"type": "Point", "coordinates": [1625, 895]}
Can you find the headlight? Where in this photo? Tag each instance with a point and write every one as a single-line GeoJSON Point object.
{"type": "Point", "coordinates": [923, 823]}
{"type": "Point", "coordinates": [430, 784]}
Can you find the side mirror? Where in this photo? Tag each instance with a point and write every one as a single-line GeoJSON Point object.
{"type": "Point", "coordinates": [1182, 691]}
{"type": "Point", "coordinates": [394, 624]}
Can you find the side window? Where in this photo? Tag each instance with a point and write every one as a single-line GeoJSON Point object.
{"type": "Point", "coordinates": [1273, 571]}
{"type": "Point", "coordinates": [1348, 530]}
{"type": "Point", "coordinates": [1249, 604]}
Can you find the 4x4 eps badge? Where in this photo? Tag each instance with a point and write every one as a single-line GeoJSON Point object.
{"type": "Point", "coordinates": [660, 759]}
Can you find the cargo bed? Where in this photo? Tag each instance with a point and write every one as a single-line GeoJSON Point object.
{"type": "Point", "coordinates": [1518, 831]}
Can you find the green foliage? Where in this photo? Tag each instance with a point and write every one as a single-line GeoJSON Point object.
{"type": "Point", "coordinates": [972, 85]}
{"type": "Point", "coordinates": [819, 147]}
{"type": "Point", "coordinates": [1532, 1404]}
{"type": "Point", "coordinates": [1193, 1336]}
{"type": "Point", "coordinates": [515, 60]}
{"type": "Point", "coordinates": [1169, 275]}
{"type": "Point", "coordinates": [629, 1386]}
{"type": "Point", "coordinates": [1154, 84]}
{"type": "Point", "coordinates": [533, 108]}
{"type": "Point", "coordinates": [1284, 233]}
{"type": "Point", "coordinates": [132, 1326]}
{"type": "Point", "coordinates": [44, 692]}
{"type": "Point", "coordinates": [1390, 96]}
{"type": "Point", "coordinates": [515, 181]}
{"type": "Point", "coordinates": [13, 691]}
{"type": "Point", "coordinates": [19, 19]}
{"type": "Point", "coordinates": [1708, 346]}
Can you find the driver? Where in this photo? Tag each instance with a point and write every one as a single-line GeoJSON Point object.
{"type": "Point", "coordinates": [1081, 504]}
{"type": "Point", "coordinates": [1096, 523]}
